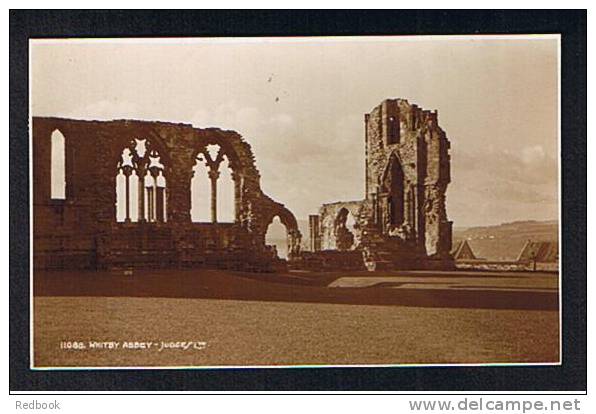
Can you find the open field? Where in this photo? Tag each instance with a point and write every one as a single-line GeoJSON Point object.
{"type": "Point", "coordinates": [296, 319]}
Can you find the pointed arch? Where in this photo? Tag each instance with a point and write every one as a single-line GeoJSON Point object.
{"type": "Point", "coordinates": [141, 185]}
{"type": "Point", "coordinates": [200, 193]}
{"type": "Point", "coordinates": [276, 235]}
{"type": "Point", "coordinates": [213, 186]}
{"type": "Point", "coordinates": [58, 166]}
{"type": "Point", "coordinates": [288, 220]}
{"type": "Point", "coordinates": [393, 183]}
{"type": "Point", "coordinates": [344, 229]}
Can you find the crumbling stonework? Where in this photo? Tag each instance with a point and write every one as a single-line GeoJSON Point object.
{"type": "Point", "coordinates": [81, 230]}
{"type": "Point", "coordinates": [335, 232]}
{"type": "Point", "coordinates": [402, 221]}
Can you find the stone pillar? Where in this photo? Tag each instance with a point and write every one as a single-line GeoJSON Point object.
{"type": "Point", "coordinates": [152, 196]}
{"type": "Point", "coordinates": [383, 215]}
{"type": "Point", "coordinates": [141, 203]}
{"type": "Point", "coordinates": [127, 172]}
{"type": "Point", "coordinates": [294, 239]}
{"type": "Point", "coordinates": [178, 193]}
{"type": "Point", "coordinates": [237, 178]}
{"type": "Point", "coordinates": [410, 209]}
{"type": "Point", "coordinates": [213, 176]}
{"type": "Point", "coordinates": [375, 208]}
{"type": "Point", "coordinates": [150, 204]}
{"type": "Point", "coordinates": [435, 217]}
{"type": "Point", "coordinates": [420, 224]}
{"type": "Point", "coordinates": [315, 233]}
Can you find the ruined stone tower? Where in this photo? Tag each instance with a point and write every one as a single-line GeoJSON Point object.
{"type": "Point", "coordinates": [402, 221]}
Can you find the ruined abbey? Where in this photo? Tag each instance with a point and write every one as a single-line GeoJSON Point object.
{"type": "Point", "coordinates": [402, 222]}
{"type": "Point", "coordinates": [123, 199]}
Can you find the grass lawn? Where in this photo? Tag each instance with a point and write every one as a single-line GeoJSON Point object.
{"type": "Point", "coordinates": [240, 332]}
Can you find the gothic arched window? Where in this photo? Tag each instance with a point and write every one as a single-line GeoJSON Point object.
{"type": "Point", "coordinates": [213, 187]}
{"type": "Point", "coordinates": [141, 184]}
{"type": "Point", "coordinates": [58, 167]}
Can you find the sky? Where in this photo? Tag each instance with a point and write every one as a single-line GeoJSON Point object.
{"type": "Point", "coordinates": [300, 103]}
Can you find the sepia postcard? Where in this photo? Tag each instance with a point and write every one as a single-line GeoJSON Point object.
{"type": "Point", "coordinates": [295, 201]}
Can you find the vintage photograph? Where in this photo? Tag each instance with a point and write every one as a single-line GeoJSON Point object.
{"type": "Point", "coordinates": [295, 201]}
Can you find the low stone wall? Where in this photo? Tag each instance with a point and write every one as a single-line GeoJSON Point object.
{"type": "Point", "coordinates": [154, 246]}
{"type": "Point", "coordinates": [505, 266]}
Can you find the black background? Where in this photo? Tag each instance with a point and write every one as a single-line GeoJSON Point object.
{"type": "Point", "coordinates": [571, 375]}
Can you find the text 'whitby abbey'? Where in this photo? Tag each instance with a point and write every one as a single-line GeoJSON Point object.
{"type": "Point", "coordinates": [117, 194]}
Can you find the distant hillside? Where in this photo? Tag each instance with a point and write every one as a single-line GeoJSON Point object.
{"type": "Point", "coordinates": [505, 241]}
{"type": "Point", "coordinates": [499, 242]}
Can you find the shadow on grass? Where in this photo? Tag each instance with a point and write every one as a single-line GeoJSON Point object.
{"type": "Point", "coordinates": [221, 284]}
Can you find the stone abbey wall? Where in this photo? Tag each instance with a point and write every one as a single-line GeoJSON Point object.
{"type": "Point", "coordinates": [402, 221]}
{"type": "Point", "coordinates": [81, 230]}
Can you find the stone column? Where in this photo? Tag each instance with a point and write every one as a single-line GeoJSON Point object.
{"type": "Point", "coordinates": [294, 239]}
{"type": "Point", "coordinates": [420, 216]}
{"type": "Point", "coordinates": [178, 194]}
{"type": "Point", "coordinates": [237, 178]}
{"type": "Point", "coordinates": [432, 210]}
{"type": "Point", "coordinates": [127, 172]}
{"type": "Point", "coordinates": [213, 176]}
{"type": "Point", "coordinates": [315, 234]}
{"type": "Point", "coordinates": [141, 174]}
{"type": "Point", "coordinates": [150, 205]}
{"type": "Point", "coordinates": [375, 208]}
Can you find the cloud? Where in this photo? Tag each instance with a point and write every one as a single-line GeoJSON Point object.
{"type": "Point", "coordinates": [532, 154]}
{"type": "Point", "coordinates": [302, 164]}
{"type": "Point", "coordinates": [530, 166]}
{"type": "Point", "coordinates": [106, 110]}
{"type": "Point", "coordinates": [502, 185]}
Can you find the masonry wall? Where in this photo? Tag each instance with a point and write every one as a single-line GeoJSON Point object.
{"type": "Point", "coordinates": [413, 137]}
{"type": "Point", "coordinates": [329, 231]}
{"type": "Point", "coordinates": [401, 219]}
{"type": "Point", "coordinates": [81, 231]}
